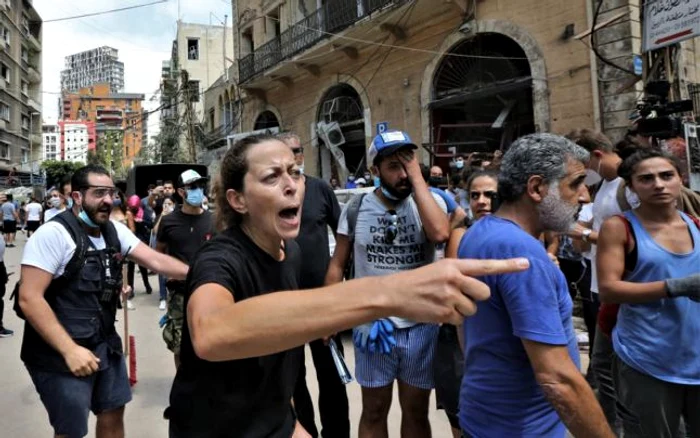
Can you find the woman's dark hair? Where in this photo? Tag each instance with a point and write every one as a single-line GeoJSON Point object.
{"type": "Point", "coordinates": [234, 167]}
{"type": "Point", "coordinates": [121, 196]}
{"type": "Point", "coordinates": [479, 173]}
{"type": "Point", "coordinates": [629, 164]}
{"type": "Point", "coordinates": [626, 147]}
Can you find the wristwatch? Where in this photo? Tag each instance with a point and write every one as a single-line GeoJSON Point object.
{"type": "Point", "coordinates": [585, 234]}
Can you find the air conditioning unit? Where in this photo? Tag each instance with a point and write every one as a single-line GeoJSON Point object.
{"type": "Point", "coordinates": [331, 134]}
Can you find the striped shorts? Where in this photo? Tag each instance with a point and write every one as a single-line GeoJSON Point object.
{"type": "Point", "coordinates": [411, 361]}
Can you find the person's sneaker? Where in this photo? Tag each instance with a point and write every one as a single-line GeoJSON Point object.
{"type": "Point", "coordinates": [6, 333]}
{"type": "Point", "coordinates": [162, 305]}
{"type": "Point", "coordinates": [130, 305]}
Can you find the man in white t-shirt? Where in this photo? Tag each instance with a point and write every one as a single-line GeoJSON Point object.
{"type": "Point", "coordinates": [70, 345]}
{"type": "Point", "coordinates": [397, 228]}
{"type": "Point", "coordinates": [611, 198]}
{"type": "Point", "coordinates": [33, 210]}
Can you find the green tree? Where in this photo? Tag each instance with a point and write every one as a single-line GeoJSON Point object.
{"type": "Point", "coordinates": [56, 171]}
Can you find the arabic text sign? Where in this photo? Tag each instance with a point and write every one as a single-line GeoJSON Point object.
{"type": "Point", "coordinates": [670, 21]}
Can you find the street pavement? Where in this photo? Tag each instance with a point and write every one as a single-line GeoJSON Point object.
{"type": "Point", "coordinates": [23, 416]}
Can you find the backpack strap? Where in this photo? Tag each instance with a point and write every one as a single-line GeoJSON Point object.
{"type": "Point", "coordinates": [79, 236]}
{"type": "Point", "coordinates": [353, 212]}
{"type": "Point", "coordinates": [621, 197]}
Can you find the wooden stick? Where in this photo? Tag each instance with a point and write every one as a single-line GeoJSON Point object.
{"type": "Point", "coordinates": [125, 306]}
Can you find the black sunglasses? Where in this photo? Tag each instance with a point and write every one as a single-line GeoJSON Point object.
{"type": "Point", "coordinates": [491, 194]}
{"type": "Point", "coordinates": [299, 150]}
{"type": "Point", "coordinates": [392, 229]}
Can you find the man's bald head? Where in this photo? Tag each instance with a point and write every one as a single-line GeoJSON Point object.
{"type": "Point", "coordinates": [436, 171]}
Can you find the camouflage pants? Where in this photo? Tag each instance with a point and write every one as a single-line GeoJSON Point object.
{"type": "Point", "coordinates": [172, 332]}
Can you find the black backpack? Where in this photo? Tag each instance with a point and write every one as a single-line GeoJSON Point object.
{"type": "Point", "coordinates": [75, 264]}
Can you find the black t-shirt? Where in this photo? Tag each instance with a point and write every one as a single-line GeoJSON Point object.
{"type": "Point", "coordinates": [320, 211]}
{"type": "Point", "coordinates": [246, 398]}
{"type": "Point", "coordinates": [185, 233]}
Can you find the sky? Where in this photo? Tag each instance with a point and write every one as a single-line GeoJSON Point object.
{"type": "Point", "coordinates": [143, 37]}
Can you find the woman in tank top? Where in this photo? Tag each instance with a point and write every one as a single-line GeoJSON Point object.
{"type": "Point", "coordinates": [649, 262]}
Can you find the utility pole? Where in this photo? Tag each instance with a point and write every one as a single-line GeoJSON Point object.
{"type": "Point", "coordinates": [224, 46]}
{"type": "Point", "coordinates": [188, 115]}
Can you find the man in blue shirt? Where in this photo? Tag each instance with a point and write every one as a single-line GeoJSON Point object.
{"type": "Point", "coordinates": [522, 375]}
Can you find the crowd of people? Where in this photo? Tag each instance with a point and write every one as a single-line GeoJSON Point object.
{"type": "Point", "coordinates": [463, 283]}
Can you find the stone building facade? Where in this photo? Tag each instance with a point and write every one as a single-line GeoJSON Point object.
{"type": "Point", "coordinates": [458, 76]}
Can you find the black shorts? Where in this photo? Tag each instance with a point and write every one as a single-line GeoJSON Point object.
{"type": "Point", "coordinates": [33, 225]}
{"type": "Point", "coordinates": [9, 227]}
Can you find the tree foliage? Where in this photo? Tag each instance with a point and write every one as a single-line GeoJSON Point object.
{"type": "Point", "coordinates": [56, 171]}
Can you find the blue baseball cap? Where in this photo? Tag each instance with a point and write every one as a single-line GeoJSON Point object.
{"type": "Point", "coordinates": [388, 143]}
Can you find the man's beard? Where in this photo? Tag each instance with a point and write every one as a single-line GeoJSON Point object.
{"type": "Point", "coordinates": [93, 210]}
{"type": "Point", "coordinates": [555, 214]}
{"type": "Point", "coordinates": [397, 192]}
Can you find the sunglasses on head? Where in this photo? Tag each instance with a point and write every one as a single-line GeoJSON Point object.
{"type": "Point", "coordinates": [391, 230]}
{"type": "Point", "coordinates": [491, 194]}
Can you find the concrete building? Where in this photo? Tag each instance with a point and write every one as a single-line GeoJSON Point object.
{"type": "Point", "coordinates": [114, 115]}
{"type": "Point", "coordinates": [96, 66]}
{"type": "Point", "coordinates": [20, 86]}
{"type": "Point", "coordinates": [200, 55]}
{"type": "Point", "coordinates": [78, 138]}
{"type": "Point", "coordinates": [51, 142]}
{"type": "Point", "coordinates": [458, 76]}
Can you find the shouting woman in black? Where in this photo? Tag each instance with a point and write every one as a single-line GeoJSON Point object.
{"type": "Point", "coordinates": [244, 322]}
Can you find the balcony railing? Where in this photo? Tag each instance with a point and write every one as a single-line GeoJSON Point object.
{"type": "Point", "coordinates": [333, 17]}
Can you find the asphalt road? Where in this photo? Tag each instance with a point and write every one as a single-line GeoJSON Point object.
{"type": "Point", "coordinates": [22, 415]}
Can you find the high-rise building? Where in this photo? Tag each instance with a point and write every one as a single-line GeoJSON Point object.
{"type": "Point", "coordinates": [93, 67]}
{"type": "Point", "coordinates": [78, 137]}
{"type": "Point", "coordinates": [115, 115]}
{"type": "Point", "coordinates": [51, 146]}
{"type": "Point", "coordinates": [20, 86]}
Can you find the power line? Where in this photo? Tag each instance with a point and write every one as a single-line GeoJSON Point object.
{"type": "Point", "coordinates": [92, 14]}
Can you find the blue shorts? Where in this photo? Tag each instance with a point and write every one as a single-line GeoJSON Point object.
{"type": "Point", "coordinates": [411, 361]}
{"type": "Point", "coordinates": [69, 399]}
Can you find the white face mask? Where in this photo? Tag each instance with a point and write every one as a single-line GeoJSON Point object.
{"type": "Point", "coordinates": [593, 176]}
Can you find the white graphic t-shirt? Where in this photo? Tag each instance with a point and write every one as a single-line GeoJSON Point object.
{"type": "Point", "coordinates": [374, 255]}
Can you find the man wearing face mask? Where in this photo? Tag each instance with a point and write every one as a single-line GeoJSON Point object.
{"type": "Point", "coordinates": [435, 180]}
{"type": "Point", "coordinates": [397, 228]}
{"type": "Point", "coordinates": [56, 203]}
{"type": "Point", "coordinates": [69, 289]}
{"type": "Point", "coordinates": [612, 198]}
{"type": "Point", "coordinates": [180, 235]}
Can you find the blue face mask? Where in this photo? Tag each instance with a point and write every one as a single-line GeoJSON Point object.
{"type": "Point", "coordinates": [69, 204]}
{"type": "Point", "coordinates": [377, 181]}
{"type": "Point", "coordinates": [85, 218]}
{"type": "Point", "coordinates": [195, 197]}
{"type": "Point", "coordinates": [117, 202]}
{"type": "Point", "coordinates": [388, 195]}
